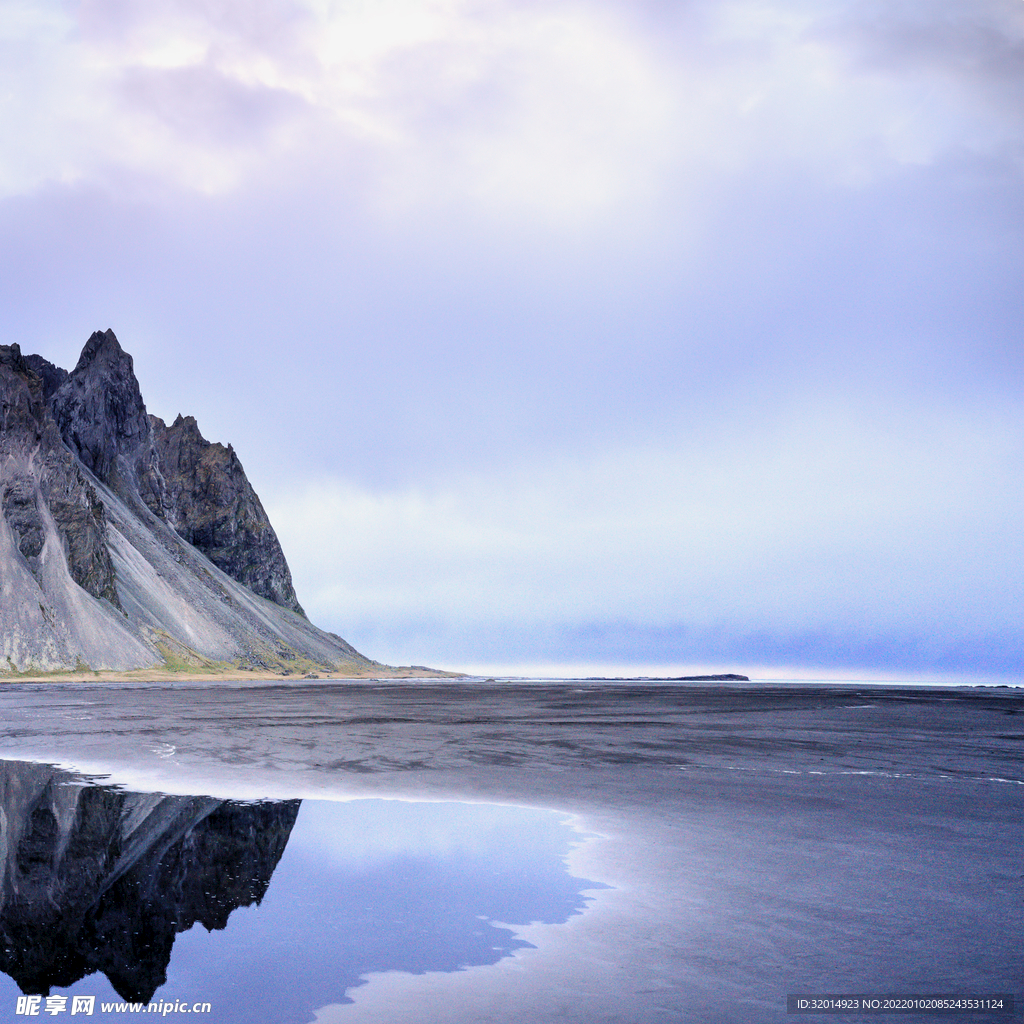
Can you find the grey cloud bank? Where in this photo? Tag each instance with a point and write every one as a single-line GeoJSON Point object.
{"type": "Point", "coordinates": [623, 333]}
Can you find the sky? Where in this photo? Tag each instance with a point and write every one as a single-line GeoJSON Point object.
{"type": "Point", "coordinates": [589, 335]}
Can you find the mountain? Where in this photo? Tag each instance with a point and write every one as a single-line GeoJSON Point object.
{"type": "Point", "coordinates": [99, 879]}
{"type": "Point", "coordinates": [126, 543]}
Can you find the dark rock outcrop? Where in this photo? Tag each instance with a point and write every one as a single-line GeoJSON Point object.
{"type": "Point", "coordinates": [51, 376]}
{"type": "Point", "coordinates": [201, 490]}
{"type": "Point", "coordinates": [97, 879]}
{"type": "Point", "coordinates": [726, 677]}
{"type": "Point", "coordinates": [22, 405]}
{"type": "Point", "coordinates": [100, 412]}
{"type": "Point", "coordinates": [22, 514]}
{"type": "Point", "coordinates": [41, 474]}
{"type": "Point", "coordinates": [81, 523]}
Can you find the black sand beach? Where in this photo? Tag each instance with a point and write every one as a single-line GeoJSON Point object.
{"type": "Point", "coordinates": [759, 840]}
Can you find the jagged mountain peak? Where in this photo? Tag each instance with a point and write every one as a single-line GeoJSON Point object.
{"type": "Point", "coordinates": [124, 542]}
{"type": "Point", "coordinates": [187, 425]}
{"type": "Point", "coordinates": [22, 402]}
{"type": "Point", "coordinates": [202, 491]}
{"type": "Point", "coordinates": [10, 355]}
{"type": "Point", "coordinates": [103, 347]}
{"type": "Point", "coordinates": [100, 411]}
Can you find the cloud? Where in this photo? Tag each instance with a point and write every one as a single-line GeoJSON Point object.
{"type": "Point", "coordinates": [980, 45]}
{"type": "Point", "coordinates": [545, 106]}
{"type": "Point", "coordinates": [562, 111]}
{"type": "Point", "coordinates": [38, 85]}
{"type": "Point", "coordinates": [820, 525]}
{"type": "Point", "coordinates": [962, 67]}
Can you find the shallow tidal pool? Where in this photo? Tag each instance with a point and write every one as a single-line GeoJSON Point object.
{"type": "Point", "coordinates": [266, 911]}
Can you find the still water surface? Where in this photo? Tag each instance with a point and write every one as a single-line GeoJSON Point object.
{"type": "Point", "coordinates": [267, 911]}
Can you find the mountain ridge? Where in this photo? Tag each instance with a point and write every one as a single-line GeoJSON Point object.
{"type": "Point", "coordinates": [126, 543]}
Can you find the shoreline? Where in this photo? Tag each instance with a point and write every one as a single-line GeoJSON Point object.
{"type": "Point", "coordinates": [404, 673]}
{"type": "Point", "coordinates": [198, 675]}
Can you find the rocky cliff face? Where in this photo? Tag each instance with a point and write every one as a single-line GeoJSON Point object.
{"type": "Point", "coordinates": [198, 488]}
{"type": "Point", "coordinates": [51, 376]}
{"type": "Point", "coordinates": [125, 542]}
{"type": "Point", "coordinates": [41, 476]}
{"type": "Point", "coordinates": [97, 879]}
{"type": "Point", "coordinates": [201, 490]}
{"type": "Point", "coordinates": [100, 412]}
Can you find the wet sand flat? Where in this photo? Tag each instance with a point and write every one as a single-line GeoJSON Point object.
{"type": "Point", "coordinates": [760, 841]}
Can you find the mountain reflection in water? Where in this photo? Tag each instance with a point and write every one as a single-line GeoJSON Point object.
{"type": "Point", "coordinates": [97, 879]}
{"type": "Point", "coordinates": [99, 882]}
